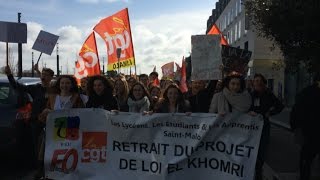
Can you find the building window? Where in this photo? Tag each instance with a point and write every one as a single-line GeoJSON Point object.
{"type": "Point", "coordinates": [231, 16]}
{"type": "Point", "coordinates": [236, 31]}
{"type": "Point", "coordinates": [239, 29]}
{"type": "Point", "coordinates": [228, 18]}
{"type": "Point", "coordinates": [236, 8]}
{"type": "Point", "coordinates": [246, 22]}
{"type": "Point", "coordinates": [240, 6]}
{"type": "Point", "coordinates": [246, 45]}
{"type": "Point", "coordinates": [225, 22]}
{"type": "Point", "coordinates": [231, 37]}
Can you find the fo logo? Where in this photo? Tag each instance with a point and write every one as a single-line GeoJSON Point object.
{"type": "Point", "coordinates": [66, 128]}
{"type": "Point", "coordinates": [94, 147]}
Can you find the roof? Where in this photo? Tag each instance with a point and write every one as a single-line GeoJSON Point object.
{"type": "Point", "coordinates": [23, 80]}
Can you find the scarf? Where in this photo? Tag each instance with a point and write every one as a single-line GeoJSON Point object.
{"type": "Point", "coordinates": [139, 105]}
{"type": "Point", "coordinates": [239, 101]}
{"type": "Point", "coordinates": [222, 101]}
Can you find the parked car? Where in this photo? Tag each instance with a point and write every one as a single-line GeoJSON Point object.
{"type": "Point", "coordinates": [15, 131]}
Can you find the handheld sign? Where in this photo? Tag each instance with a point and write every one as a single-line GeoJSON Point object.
{"type": "Point", "coordinates": [45, 42]}
{"type": "Point", "coordinates": [205, 57]}
{"type": "Point", "coordinates": [235, 59]}
{"type": "Point", "coordinates": [13, 32]}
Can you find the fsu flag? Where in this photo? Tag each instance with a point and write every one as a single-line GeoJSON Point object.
{"type": "Point", "coordinates": [216, 31]}
{"type": "Point", "coordinates": [88, 59]}
{"type": "Point", "coordinates": [183, 81]}
{"type": "Point", "coordinates": [116, 32]}
{"type": "Point", "coordinates": [168, 70]}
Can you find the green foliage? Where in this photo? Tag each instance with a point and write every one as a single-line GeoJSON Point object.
{"type": "Point", "coordinates": [294, 25]}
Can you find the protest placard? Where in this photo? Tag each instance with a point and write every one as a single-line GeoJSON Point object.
{"type": "Point", "coordinates": [12, 32]}
{"type": "Point", "coordinates": [45, 42]}
{"type": "Point", "coordinates": [206, 57]}
{"type": "Point", "coordinates": [235, 59]}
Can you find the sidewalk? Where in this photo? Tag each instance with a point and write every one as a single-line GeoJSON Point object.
{"type": "Point", "coordinates": [282, 119]}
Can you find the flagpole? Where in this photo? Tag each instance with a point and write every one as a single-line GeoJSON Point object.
{"type": "Point", "coordinates": [118, 56]}
{"type": "Point", "coordinates": [135, 65]}
{"type": "Point", "coordinates": [95, 42]}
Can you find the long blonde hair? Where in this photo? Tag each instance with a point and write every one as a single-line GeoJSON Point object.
{"type": "Point", "coordinates": [125, 93]}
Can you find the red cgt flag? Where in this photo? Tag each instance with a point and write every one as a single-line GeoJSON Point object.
{"type": "Point", "coordinates": [116, 32]}
{"type": "Point", "coordinates": [216, 31]}
{"type": "Point", "coordinates": [88, 60]}
{"type": "Point", "coordinates": [183, 81]}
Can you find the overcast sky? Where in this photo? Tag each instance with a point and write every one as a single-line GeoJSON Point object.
{"type": "Point", "coordinates": [161, 29]}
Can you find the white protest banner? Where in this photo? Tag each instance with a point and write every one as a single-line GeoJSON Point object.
{"type": "Point", "coordinates": [94, 144]}
{"type": "Point", "coordinates": [206, 57]}
{"type": "Point", "coordinates": [45, 42]}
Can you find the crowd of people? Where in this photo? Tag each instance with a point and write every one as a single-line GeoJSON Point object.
{"type": "Point", "coordinates": [146, 94]}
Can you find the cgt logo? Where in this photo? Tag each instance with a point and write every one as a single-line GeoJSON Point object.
{"type": "Point", "coordinates": [66, 128]}
{"type": "Point", "coordinates": [94, 147]}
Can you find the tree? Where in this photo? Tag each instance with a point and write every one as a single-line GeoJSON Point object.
{"type": "Point", "coordinates": [293, 26]}
{"type": "Point", "coordinates": [12, 63]}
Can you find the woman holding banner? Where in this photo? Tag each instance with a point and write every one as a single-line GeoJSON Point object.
{"type": "Point", "coordinates": [233, 98]}
{"type": "Point", "coordinates": [101, 94]}
{"type": "Point", "coordinates": [173, 101]}
{"type": "Point", "coordinates": [121, 94]}
{"type": "Point", "coordinates": [64, 95]}
{"type": "Point", "coordinates": [139, 99]}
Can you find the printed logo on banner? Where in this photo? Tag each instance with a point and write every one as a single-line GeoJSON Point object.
{"type": "Point", "coordinates": [94, 147]}
{"type": "Point", "coordinates": [66, 128]}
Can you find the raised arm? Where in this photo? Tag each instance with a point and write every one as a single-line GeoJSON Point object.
{"type": "Point", "coordinates": [13, 82]}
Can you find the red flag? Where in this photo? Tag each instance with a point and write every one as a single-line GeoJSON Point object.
{"type": "Point", "coordinates": [183, 81]}
{"type": "Point", "coordinates": [168, 70]}
{"type": "Point", "coordinates": [216, 31]}
{"type": "Point", "coordinates": [116, 32]}
{"type": "Point", "coordinates": [156, 82]}
{"type": "Point", "coordinates": [88, 60]}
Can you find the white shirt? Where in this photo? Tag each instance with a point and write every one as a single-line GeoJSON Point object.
{"type": "Point", "coordinates": [62, 102]}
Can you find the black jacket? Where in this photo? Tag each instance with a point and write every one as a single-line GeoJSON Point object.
{"type": "Point", "coordinates": [200, 102]}
{"type": "Point", "coordinates": [305, 112]}
{"type": "Point", "coordinates": [265, 102]}
{"type": "Point", "coordinates": [106, 102]}
{"type": "Point", "coordinates": [163, 107]}
{"type": "Point", "coordinates": [37, 92]}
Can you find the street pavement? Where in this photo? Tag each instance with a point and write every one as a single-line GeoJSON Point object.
{"type": "Point", "coordinates": [283, 151]}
